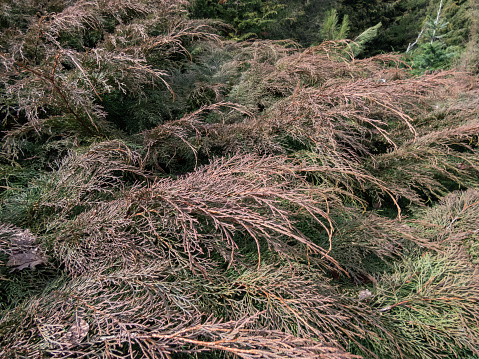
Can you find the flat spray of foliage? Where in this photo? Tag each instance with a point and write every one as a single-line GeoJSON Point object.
{"type": "Point", "coordinates": [168, 194]}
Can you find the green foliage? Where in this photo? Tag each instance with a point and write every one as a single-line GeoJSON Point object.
{"type": "Point", "coordinates": [432, 53]}
{"type": "Point", "coordinates": [331, 30]}
{"type": "Point", "coordinates": [363, 38]}
{"type": "Point", "coordinates": [400, 21]}
{"type": "Point", "coordinates": [430, 301]}
{"type": "Point", "coordinates": [433, 56]}
{"type": "Point", "coordinates": [470, 57]}
{"type": "Point", "coordinates": [248, 18]}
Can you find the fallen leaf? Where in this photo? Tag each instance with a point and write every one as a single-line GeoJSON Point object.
{"type": "Point", "coordinates": [76, 333]}
{"type": "Point", "coordinates": [24, 260]}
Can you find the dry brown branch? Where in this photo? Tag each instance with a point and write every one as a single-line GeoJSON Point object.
{"type": "Point", "coordinates": [204, 210]}
{"type": "Point", "coordinates": [158, 320]}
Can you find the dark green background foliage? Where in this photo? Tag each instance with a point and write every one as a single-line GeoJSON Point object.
{"type": "Point", "coordinates": [271, 19]}
{"type": "Point", "coordinates": [249, 18]}
{"type": "Point", "coordinates": [302, 20]}
{"type": "Point", "coordinates": [214, 179]}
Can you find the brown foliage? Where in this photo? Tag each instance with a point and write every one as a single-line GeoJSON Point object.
{"type": "Point", "coordinates": [262, 226]}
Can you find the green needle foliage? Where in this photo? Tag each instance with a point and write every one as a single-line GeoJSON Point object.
{"type": "Point", "coordinates": [331, 30]}
{"type": "Point", "coordinates": [431, 301]}
{"type": "Point", "coordinates": [166, 193]}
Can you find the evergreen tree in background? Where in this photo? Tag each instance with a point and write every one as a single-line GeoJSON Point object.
{"type": "Point", "coordinates": [432, 52]}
